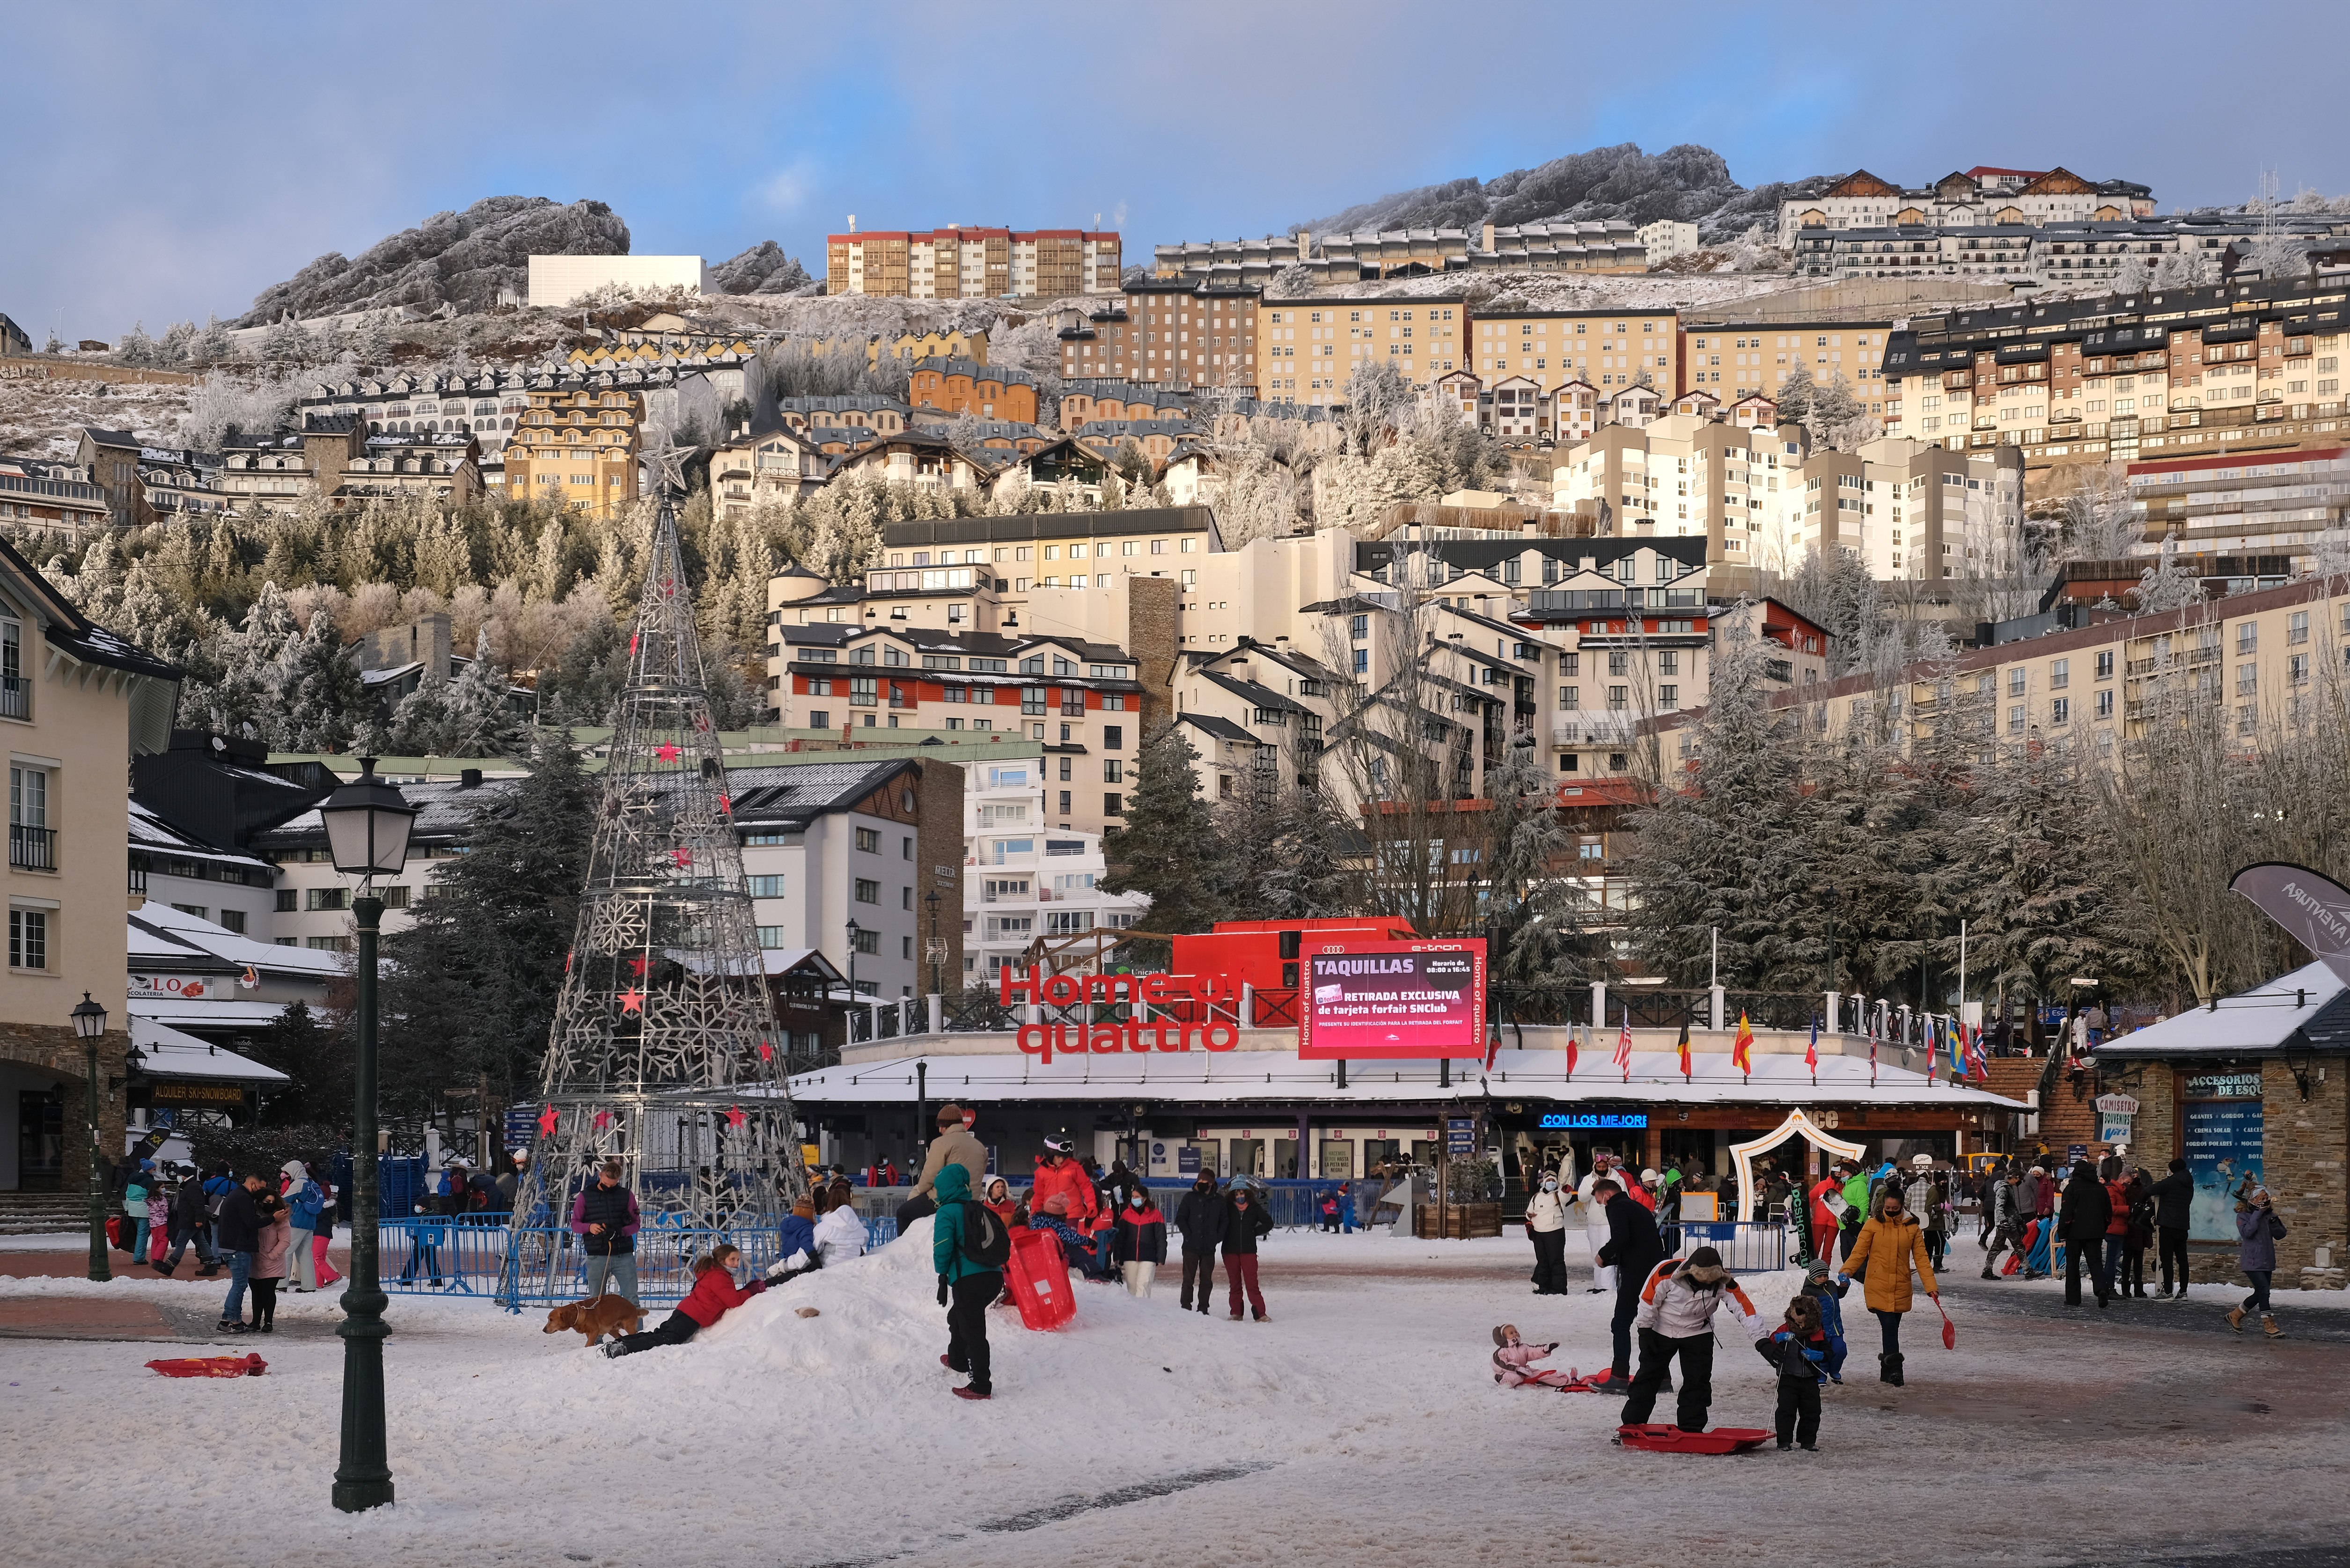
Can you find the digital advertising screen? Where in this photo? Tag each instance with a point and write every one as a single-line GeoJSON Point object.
{"type": "Point", "coordinates": [1404, 1000]}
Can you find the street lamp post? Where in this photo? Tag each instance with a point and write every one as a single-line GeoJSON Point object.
{"type": "Point", "coordinates": [368, 823]}
{"type": "Point", "coordinates": [89, 1025]}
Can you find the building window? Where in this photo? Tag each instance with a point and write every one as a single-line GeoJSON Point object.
{"type": "Point", "coordinates": [28, 939]}
{"type": "Point", "coordinates": [868, 891]}
{"type": "Point", "coordinates": [1113, 806]}
{"type": "Point", "coordinates": [1620, 696]}
{"type": "Point", "coordinates": [766, 888]}
{"type": "Point", "coordinates": [772, 937]}
{"type": "Point", "coordinates": [1668, 697]}
{"type": "Point", "coordinates": [867, 941]}
{"type": "Point", "coordinates": [2104, 667]}
{"type": "Point", "coordinates": [289, 900]}
{"type": "Point", "coordinates": [2059, 673]}
{"type": "Point", "coordinates": [2105, 705]}
{"type": "Point", "coordinates": [2060, 711]}
{"type": "Point", "coordinates": [1113, 770]}
{"type": "Point", "coordinates": [233, 920]}
{"type": "Point", "coordinates": [868, 840]}
{"type": "Point", "coordinates": [316, 899]}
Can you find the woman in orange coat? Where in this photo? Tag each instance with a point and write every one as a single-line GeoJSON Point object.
{"type": "Point", "coordinates": [1889, 1245]}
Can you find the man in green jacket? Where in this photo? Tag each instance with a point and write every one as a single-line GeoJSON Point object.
{"type": "Point", "coordinates": [1856, 1214]}
{"type": "Point", "coordinates": [969, 1288]}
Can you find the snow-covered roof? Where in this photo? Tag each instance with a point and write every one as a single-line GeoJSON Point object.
{"type": "Point", "coordinates": [174, 1013]}
{"type": "Point", "coordinates": [171, 1054]}
{"type": "Point", "coordinates": [151, 833]}
{"type": "Point", "coordinates": [1244, 1077]}
{"type": "Point", "coordinates": [161, 935]}
{"type": "Point", "coordinates": [2309, 1001]}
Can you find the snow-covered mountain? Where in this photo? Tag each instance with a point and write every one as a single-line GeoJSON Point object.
{"type": "Point", "coordinates": [466, 259]}
{"type": "Point", "coordinates": [1688, 183]}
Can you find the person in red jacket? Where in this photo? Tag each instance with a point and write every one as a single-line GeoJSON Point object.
{"type": "Point", "coordinates": [1062, 1201]}
{"type": "Point", "coordinates": [714, 1294]}
{"type": "Point", "coordinates": [1825, 1226]}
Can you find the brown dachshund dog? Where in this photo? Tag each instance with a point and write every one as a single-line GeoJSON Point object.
{"type": "Point", "coordinates": [598, 1316]}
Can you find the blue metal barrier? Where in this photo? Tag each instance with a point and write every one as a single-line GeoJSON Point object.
{"type": "Point", "coordinates": [447, 1255]}
{"type": "Point", "coordinates": [544, 1265]}
{"type": "Point", "coordinates": [1747, 1246]}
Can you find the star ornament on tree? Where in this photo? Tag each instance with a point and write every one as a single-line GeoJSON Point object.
{"type": "Point", "coordinates": [684, 858]}
{"type": "Point", "coordinates": [637, 966]}
{"type": "Point", "coordinates": [666, 752]}
{"type": "Point", "coordinates": [766, 1052]}
{"type": "Point", "coordinates": [726, 803]}
{"type": "Point", "coordinates": [735, 1119]}
{"type": "Point", "coordinates": [633, 1001]}
{"type": "Point", "coordinates": [546, 1121]}
{"type": "Point", "coordinates": [603, 1120]}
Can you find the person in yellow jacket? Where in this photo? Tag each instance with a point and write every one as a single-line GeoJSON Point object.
{"type": "Point", "coordinates": [1889, 1246]}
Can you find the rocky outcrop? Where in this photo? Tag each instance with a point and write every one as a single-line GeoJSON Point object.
{"type": "Point", "coordinates": [762, 269]}
{"type": "Point", "coordinates": [469, 260]}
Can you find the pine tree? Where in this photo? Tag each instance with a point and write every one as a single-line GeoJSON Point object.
{"type": "Point", "coordinates": [136, 348]}
{"type": "Point", "coordinates": [372, 345]}
{"type": "Point", "coordinates": [419, 722]}
{"type": "Point", "coordinates": [2042, 910]}
{"type": "Point", "coordinates": [1169, 849]}
{"type": "Point", "coordinates": [1541, 949]}
{"type": "Point", "coordinates": [317, 1058]}
{"type": "Point", "coordinates": [1794, 396]}
{"type": "Point", "coordinates": [320, 695]}
{"type": "Point", "coordinates": [469, 986]}
{"type": "Point", "coordinates": [212, 345]}
{"type": "Point", "coordinates": [480, 723]}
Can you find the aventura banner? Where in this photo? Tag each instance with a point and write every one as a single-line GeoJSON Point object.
{"type": "Point", "coordinates": [2313, 908]}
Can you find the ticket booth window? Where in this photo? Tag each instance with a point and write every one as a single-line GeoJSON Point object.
{"type": "Point", "coordinates": [1338, 1159]}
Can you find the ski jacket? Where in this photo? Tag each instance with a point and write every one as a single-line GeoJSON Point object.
{"type": "Point", "coordinates": [189, 1209]}
{"type": "Point", "coordinates": [2171, 1196]}
{"type": "Point", "coordinates": [947, 1256]}
{"type": "Point", "coordinates": [1545, 1212]}
{"type": "Point", "coordinates": [277, 1240]}
{"type": "Point", "coordinates": [237, 1227]}
{"type": "Point", "coordinates": [2256, 1240]}
{"type": "Point", "coordinates": [1244, 1226]}
{"type": "Point", "coordinates": [2001, 1197]}
{"type": "Point", "coordinates": [1594, 1215]}
{"type": "Point", "coordinates": [1798, 1359]}
{"type": "Point", "coordinates": [1511, 1362]}
{"type": "Point", "coordinates": [1067, 1180]}
{"type": "Point", "coordinates": [1830, 1295]}
{"type": "Point", "coordinates": [840, 1235]}
{"type": "Point", "coordinates": [1142, 1235]}
{"type": "Point", "coordinates": [2118, 1207]}
{"type": "Point", "coordinates": [714, 1293]}
{"type": "Point", "coordinates": [794, 1234]}
{"type": "Point", "coordinates": [305, 1201]}
{"type": "Point", "coordinates": [1633, 1246]}
{"type": "Point", "coordinates": [1200, 1218]}
{"type": "Point", "coordinates": [2086, 1208]}
{"type": "Point", "coordinates": [134, 1198]}
{"type": "Point", "coordinates": [1888, 1248]}
{"type": "Point", "coordinates": [1855, 1196]}
{"type": "Point", "coordinates": [1674, 1305]}
{"type": "Point", "coordinates": [955, 1144]}
{"type": "Point", "coordinates": [1821, 1213]}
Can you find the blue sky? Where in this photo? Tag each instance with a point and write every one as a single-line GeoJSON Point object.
{"type": "Point", "coordinates": [167, 159]}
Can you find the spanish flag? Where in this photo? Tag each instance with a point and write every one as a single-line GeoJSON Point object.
{"type": "Point", "coordinates": [1742, 1050]}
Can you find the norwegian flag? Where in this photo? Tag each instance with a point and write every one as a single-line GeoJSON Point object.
{"type": "Point", "coordinates": [1624, 1047]}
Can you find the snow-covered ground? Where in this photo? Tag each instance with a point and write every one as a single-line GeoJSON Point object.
{"type": "Point", "coordinates": [1359, 1426]}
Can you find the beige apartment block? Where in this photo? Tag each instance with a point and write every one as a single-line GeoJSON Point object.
{"type": "Point", "coordinates": [1611, 350]}
{"type": "Point", "coordinates": [1733, 360]}
{"type": "Point", "coordinates": [958, 262]}
{"type": "Point", "coordinates": [1306, 350]}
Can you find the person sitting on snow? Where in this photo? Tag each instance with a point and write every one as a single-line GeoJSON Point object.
{"type": "Point", "coordinates": [1513, 1362]}
{"type": "Point", "coordinates": [795, 1244]}
{"type": "Point", "coordinates": [715, 1294]}
{"type": "Point", "coordinates": [1062, 1200]}
{"type": "Point", "coordinates": [839, 1235]}
{"type": "Point", "coordinates": [1675, 1318]}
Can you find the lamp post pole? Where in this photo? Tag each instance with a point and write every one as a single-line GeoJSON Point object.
{"type": "Point", "coordinates": [363, 1480]}
{"type": "Point", "coordinates": [89, 1023]}
{"type": "Point", "coordinates": [938, 951]}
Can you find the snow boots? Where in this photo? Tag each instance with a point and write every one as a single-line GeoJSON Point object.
{"type": "Point", "coordinates": [2236, 1319]}
{"type": "Point", "coordinates": [1888, 1368]}
{"type": "Point", "coordinates": [2269, 1327]}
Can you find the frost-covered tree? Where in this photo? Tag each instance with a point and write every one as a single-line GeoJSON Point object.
{"type": "Point", "coordinates": [2167, 585]}
{"type": "Point", "coordinates": [372, 345]}
{"type": "Point", "coordinates": [2042, 905]}
{"type": "Point", "coordinates": [1170, 849]}
{"type": "Point", "coordinates": [1794, 396]}
{"type": "Point", "coordinates": [136, 348]}
{"type": "Point", "coordinates": [2100, 523]}
{"type": "Point", "coordinates": [286, 341]}
{"type": "Point", "coordinates": [320, 695]}
{"type": "Point", "coordinates": [173, 348]}
{"type": "Point", "coordinates": [212, 345]}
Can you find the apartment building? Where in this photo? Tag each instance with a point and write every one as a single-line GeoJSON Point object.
{"type": "Point", "coordinates": [1166, 333]}
{"type": "Point", "coordinates": [2274, 504]}
{"type": "Point", "coordinates": [334, 459]}
{"type": "Point", "coordinates": [2230, 367]}
{"type": "Point", "coordinates": [958, 263]}
{"type": "Point", "coordinates": [1025, 878]}
{"type": "Point", "coordinates": [1734, 359]}
{"type": "Point", "coordinates": [772, 465]}
{"type": "Point", "coordinates": [1257, 713]}
{"type": "Point", "coordinates": [148, 485]}
{"type": "Point", "coordinates": [78, 703]}
{"type": "Point", "coordinates": [37, 493]}
{"type": "Point", "coordinates": [967, 386]}
{"type": "Point", "coordinates": [1665, 239]}
{"type": "Point", "coordinates": [484, 406]}
{"type": "Point", "coordinates": [1974, 196]}
{"type": "Point", "coordinates": [1306, 350]}
{"type": "Point", "coordinates": [1110, 398]}
{"type": "Point", "coordinates": [1610, 349]}
{"type": "Point", "coordinates": [1610, 245]}
{"type": "Point", "coordinates": [2073, 256]}
{"type": "Point", "coordinates": [1082, 702]}
{"type": "Point", "coordinates": [578, 443]}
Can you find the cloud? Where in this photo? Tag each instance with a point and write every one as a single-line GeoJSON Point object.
{"type": "Point", "coordinates": [788, 189]}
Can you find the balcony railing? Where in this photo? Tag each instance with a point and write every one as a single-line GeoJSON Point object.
{"type": "Point", "coordinates": [16, 697]}
{"type": "Point", "coordinates": [32, 849]}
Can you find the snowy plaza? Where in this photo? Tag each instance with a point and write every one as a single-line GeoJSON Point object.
{"type": "Point", "coordinates": [1361, 1425]}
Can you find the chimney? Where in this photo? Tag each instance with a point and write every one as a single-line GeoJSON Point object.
{"type": "Point", "coordinates": [469, 778]}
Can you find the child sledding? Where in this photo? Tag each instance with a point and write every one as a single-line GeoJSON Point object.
{"type": "Point", "coordinates": [1513, 1366]}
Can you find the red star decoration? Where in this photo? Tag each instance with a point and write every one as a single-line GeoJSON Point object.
{"type": "Point", "coordinates": [633, 1000]}
{"type": "Point", "coordinates": [547, 1120]}
{"type": "Point", "coordinates": [637, 967]}
{"type": "Point", "coordinates": [567, 963]}
{"type": "Point", "coordinates": [603, 1120]}
{"type": "Point", "coordinates": [766, 1052]}
{"type": "Point", "coordinates": [682, 857]}
{"type": "Point", "coordinates": [669, 585]}
{"type": "Point", "coordinates": [735, 1119]}
{"type": "Point", "coordinates": [702, 722]}
{"type": "Point", "coordinates": [633, 645]}
{"type": "Point", "coordinates": [726, 803]}
{"type": "Point", "coordinates": [666, 752]}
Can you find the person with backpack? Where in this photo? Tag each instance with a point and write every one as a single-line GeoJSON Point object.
{"type": "Point", "coordinates": [969, 1247]}
{"type": "Point", "coordinates": [1245, 1223]}
{"type": "Point", "coordinates": [1200, 1218]}
{"type": "Point", "coordinates": [1141, 1240]}
{"type": "Point", "coordinates": [954, 1143]}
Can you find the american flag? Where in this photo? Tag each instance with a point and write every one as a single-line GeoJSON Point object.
{"type": "Point", "coordinates": [1624, 1047]}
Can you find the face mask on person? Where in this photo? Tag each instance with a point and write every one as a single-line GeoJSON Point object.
{"type": "Point", "coordinates": [1550, 1184]}
{"type": "Point", "coordinates": [1136, 1199]}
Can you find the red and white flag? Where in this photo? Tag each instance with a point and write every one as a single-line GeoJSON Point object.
{"type": "Point", "coordinates": [1571, 1052]}
{"type": "Point", "coordinates": [1623, 1047]}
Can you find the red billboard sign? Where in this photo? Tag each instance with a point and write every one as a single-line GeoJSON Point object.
{"type": "Point", "coordinates": [1409, 999]}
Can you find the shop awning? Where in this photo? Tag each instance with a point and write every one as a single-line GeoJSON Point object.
{"type": "Point", "coordinates": [171, 1054]}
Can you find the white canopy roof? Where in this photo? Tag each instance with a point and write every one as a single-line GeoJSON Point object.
{"type": "Point", "coordinates": [171, 1054]}
{"type": "Point", "coordinates": [1242, 1077]}
{"type": "Point", "coordinates": [2260, 1019]}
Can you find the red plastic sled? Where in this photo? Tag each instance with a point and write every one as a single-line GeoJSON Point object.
{"type": "Point", "coordinates": [1039, 1281]}
{"type": "Point", "coordinates": [1667, 1439]}
{"type": "Point", "coordinates": [213, 1366]}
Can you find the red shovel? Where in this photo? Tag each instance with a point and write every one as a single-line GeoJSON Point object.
{"type": "Point", "coordinates": [1949, 1329]}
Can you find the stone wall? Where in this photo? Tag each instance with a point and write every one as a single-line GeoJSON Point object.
{"type": "Point", "coordinates": [57, 1050]}
{"type": "Point", "coordinates": [2303, 1146]}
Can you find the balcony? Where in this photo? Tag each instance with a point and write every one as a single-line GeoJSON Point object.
{"type": "Point", "coordinates": [32, 849]}
{"type": "Point", "coordinates": [16, 697]}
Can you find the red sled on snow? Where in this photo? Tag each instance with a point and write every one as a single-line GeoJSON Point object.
{"type": "Point", "coordinates": [213, 1366]}
{"type": "Point", "coordinates": [1039, 1281]}
{"type": "Point", "coordinates": [1658, 1438]}
{"type": "Point", "coordinates": [1600, 1382]}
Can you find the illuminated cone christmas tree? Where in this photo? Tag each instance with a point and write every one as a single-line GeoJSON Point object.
{"type": "Point", "coordinates": [664, 1053]}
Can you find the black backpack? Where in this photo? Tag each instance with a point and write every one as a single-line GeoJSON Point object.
{"type": "Point", "coordinates": [984, 1241]}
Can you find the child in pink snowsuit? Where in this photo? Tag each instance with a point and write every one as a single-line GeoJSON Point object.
{"type": "Point", "coordinates": [1513, 1359]}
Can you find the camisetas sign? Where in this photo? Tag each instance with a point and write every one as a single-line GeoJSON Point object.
{"type": "Point", "coordinates": [1410, 1000]}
